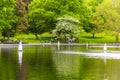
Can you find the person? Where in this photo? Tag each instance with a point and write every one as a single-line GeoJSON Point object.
{"type": "Point", "coordinates": [69, 40]}
{"type": "Point", "coordinates": [52, 40]}
{"type": "Point", "coordinates": [73, 40]}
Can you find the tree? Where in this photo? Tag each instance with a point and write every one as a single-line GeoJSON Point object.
{"type": "Point", "coordinates": [21, 11]}
{"type": "Point", "coordinates": [108, 16]}
{"type": "Point", "coordinates": [50, 10]}
{"type": "Point", "coordinates": [8, 18]}
{"type": "Point", "coordinates": [66, 26]}
{"type": "Point", "coordinates": [38, 19]}
{"type": "Point", "coordinates": [88, 19]}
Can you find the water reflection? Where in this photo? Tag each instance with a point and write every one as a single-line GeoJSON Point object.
{"type": "Point", "coordinates": [8, 64]}
{"type": "Point", "coordinates": [74, 67]}
{"type": "Point", "coordinates": [58, 45]}
{"type": "Point", "coordinates": [105, 57]}
{"type": "Point", "coordinates": [101, 55]}
{"type": "Point", "coordinates": [43, 63]}
{"type": "Point", "coordinates": [40, 63]}
{"type": "Point", "coordinates": [20, 58]}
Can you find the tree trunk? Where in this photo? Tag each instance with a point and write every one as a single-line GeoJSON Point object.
{"type": "Point", "coordinates": [36, 36]}
{"type": "Point", "coordinates": [117, 37]}
{"type": "Point", "coordinates": [93, 34]}
{"type": "Point", "coordinates": [8, 34]}
{"type": "Point", "coordinates": [65, 38]}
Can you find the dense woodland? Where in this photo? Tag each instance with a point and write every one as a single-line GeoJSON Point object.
{"type": "Point", "coordinates": [62, 18]}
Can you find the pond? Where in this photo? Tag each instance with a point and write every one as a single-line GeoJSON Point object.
{"type": "Point", "coordinates": [52, 63]}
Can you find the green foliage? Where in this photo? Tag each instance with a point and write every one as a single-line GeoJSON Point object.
{"type": "Point", "coordinates": [62, 16]}
{"type": "Point", "coordinates": [7, 17]}
{"type": "Point", "coordinates": [88, 21]}
{"type": "Point", "coordinates": [108, 16]}
{"type": "Point", "coordinates": [66, 26]}
{"type": "Point", "coordinates": [43, 14]}
{"type": "Point", "coordinates": [40, 20]}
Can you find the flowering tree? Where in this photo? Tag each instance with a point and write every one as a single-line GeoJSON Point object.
{"type": "Point", "coordinates": [66, 26]}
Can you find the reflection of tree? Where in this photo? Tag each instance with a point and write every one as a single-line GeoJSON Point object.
{"type": "Point", "coordinates": [79, 67]}
{"type": "Point", "coordinates": [92, 69]}
{"type": "Point", "coordinates": [40, 64]}
{"type": "Point", "coordinates": [67, 66]}
{"type": "Point", "coordinates": [9, 67]}
{"type": "Point", "coordinates": [96, 69]}
{"type": "Point", "coordinates": [112, 69]}
{"type": "Point", "coordinates": [8, 64]}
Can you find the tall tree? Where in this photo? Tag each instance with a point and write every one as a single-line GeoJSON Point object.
{"type": "Point", "coordinates": [108, 12]}
{"type": "Point", "coordinates": [21, 10]}
{"type": "Point", "coordinates": [38, 20]}
{"type": "Point", "coordinates": [87, 16]}
{"type": "Point", "coordinates": [7, 17]}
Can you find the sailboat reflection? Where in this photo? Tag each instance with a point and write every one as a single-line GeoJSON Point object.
{"type": "Point", "coordinates": [20, 57]}
{"type": "Point", "coordinates": [22, 71]}
{"type": "Point", "coordinates": [20, 52]}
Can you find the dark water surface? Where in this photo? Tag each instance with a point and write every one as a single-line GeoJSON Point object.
{"type": "Point", "coordinates": [44, 63]}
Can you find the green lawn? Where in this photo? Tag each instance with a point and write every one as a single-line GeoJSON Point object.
{"type": "Point", "coordinates": [30, 38]}
{"type": "Point", "coordinates": [99, 38]}
{"type": "Point", "coordinates": [83, 38]}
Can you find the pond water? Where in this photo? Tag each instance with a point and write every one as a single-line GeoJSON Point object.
{"type": "Point", "coordinates": [48, 63]}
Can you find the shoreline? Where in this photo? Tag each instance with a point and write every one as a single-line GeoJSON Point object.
{"type": "Point", "coordinates": [75, 44]}
{"type": "Point", "coordinates": [47, 44]}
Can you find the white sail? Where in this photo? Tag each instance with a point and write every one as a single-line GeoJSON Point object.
{"type": "Point", "coordinates": [20, 46]}
{"type": "Point", "coordinates": [58, 45]}
{"type": "Point", "coordinates": [105, 47]}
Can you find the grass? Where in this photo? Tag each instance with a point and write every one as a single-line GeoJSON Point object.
{"type": "Point", "coordinates": [83, 38]}
{"type": "Point", "coordinates": [99, 38]}
{"type": "Point", "coordinates": [30, 38]}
